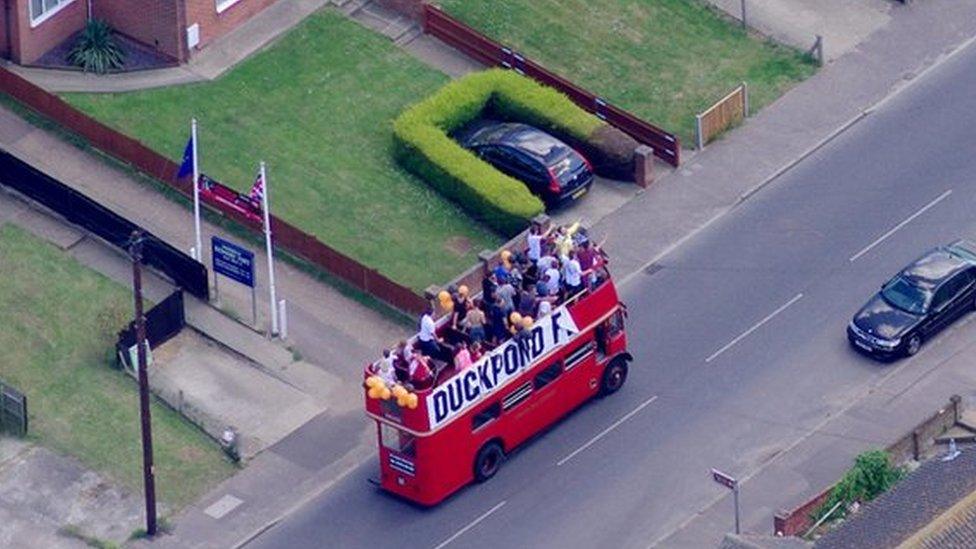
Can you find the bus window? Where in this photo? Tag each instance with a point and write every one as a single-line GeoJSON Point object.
{"type": "Point", "coordinates": [547, 376]}
{"type": "Point", "coordinates": [486, 415]}
{"type": "Point", "coordinates": [397, 440]}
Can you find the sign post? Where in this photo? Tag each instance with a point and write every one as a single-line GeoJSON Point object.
{"type": "Point", "coordinates": [236, 263]}
{"type": "Point", "coordinates": [732, 484]}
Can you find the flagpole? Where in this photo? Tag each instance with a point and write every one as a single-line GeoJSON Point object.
{"type": "Point", "coordinates": [196, 191]}
{"type": "Point", "coordinates": [269, 251]}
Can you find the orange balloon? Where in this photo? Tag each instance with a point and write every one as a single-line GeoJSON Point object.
{"type": "Point", "coordinates": [374, 381]}
{"type": "Point", "coordinates": [385, 393]}
{"type": "Point", "coordinates": [374, 392]}
{"type": "Point", "coordinates": [399, 391]}
{"type": "Point", "coordinates": [412, 400]}
{"type": "Point", "coordinates": [443, 296]}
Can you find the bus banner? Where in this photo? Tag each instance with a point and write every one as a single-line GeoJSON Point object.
{"type": "Point", "coordinates": [498, 366]}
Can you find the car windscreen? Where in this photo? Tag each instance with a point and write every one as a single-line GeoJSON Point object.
{"type": "Point", "coordinates": [565, 168]}
{"type": "Point", "coordinates": [904, 295]}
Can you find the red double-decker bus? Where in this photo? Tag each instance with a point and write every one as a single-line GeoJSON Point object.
{"type": "Point", "coordinates": [461, 428]}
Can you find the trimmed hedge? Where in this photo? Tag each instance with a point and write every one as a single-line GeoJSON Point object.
{"type": "Point", "coordinates": [423, 145]}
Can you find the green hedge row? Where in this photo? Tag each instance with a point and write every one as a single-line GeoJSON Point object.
{"type": "Point", "coordinates": [423, 146]}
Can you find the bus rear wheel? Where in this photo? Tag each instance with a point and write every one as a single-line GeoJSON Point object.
{"type": "Point", "coordinates": [614, 376]}
{"type": "Point", "coordinates": [488, 461]}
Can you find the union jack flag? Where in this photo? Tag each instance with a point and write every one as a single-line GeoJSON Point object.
{"type": "Point", "coordinates": [257, 191]}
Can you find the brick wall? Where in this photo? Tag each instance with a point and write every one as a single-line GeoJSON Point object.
{"type": "Point", "coordinates": [214, 25]}
{"type": "Point", "coordinates": [6, 8]}
{"type": "Point", "coordinates": [28, 44]}
{"type": "Point", "coordinates": [155, 23]}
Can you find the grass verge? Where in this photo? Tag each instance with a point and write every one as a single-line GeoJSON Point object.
{"type": "Point", "coordinates": [60, 321]}
{"type": "Point", "coordinates": [663, 60]}
{"type": "Point", "coordinates": [318, 107]}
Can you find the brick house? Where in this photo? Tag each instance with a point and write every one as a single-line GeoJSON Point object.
{"type": "Point", "coordinates": [175, 28]}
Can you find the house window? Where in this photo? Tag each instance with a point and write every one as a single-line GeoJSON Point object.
{"type": "Point", "coordinates": [224, 4]}
{"type": "Point", "coordinates": [42, 10]}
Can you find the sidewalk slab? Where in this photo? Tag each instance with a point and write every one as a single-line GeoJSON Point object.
{"type": "Point", "coordinates": [843, 23]}
{"type": "Point", "coordinates": [42, 492]}
{"type": "Point", "coordinates": [218, 389]}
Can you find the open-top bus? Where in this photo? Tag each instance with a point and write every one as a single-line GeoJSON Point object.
{"type": "Point", "coordinates": [460, 429]}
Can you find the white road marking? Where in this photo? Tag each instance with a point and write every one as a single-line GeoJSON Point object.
{"type": "Point", "coordinates": [607, 430]}
{"type": "Point", "coordinates": [755, 327]}
{"type": "Point", "coordinates": [881, 239]}
{"type": "Point", "coordinates": [470, 526]}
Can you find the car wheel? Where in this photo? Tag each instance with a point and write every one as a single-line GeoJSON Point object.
{"type": "Point", "coordinates": [913, 345]}
{"type": "Point", "coordinates": [614, 376]}
{"type": "Point", "coordinates": [488, 461]}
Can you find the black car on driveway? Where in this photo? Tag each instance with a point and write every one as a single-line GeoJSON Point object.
{"type": "Point", "coordinates": [551, 169]}
{"type": "Point", "coordinates": [925, 297]}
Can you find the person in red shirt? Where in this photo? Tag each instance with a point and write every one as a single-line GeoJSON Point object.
{"type": "Point", "coordinates": [421, 376]}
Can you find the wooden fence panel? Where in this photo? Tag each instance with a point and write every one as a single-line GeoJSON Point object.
{"type": "Point", "coordinates": [731, 109]}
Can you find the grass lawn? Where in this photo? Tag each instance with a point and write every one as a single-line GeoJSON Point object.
{"type": "Point", "coordinates": [663, 60]}
{"type": "Point", "coordinates": [59, 328]}
{"type": "Point", "coordinates": [318, 107]}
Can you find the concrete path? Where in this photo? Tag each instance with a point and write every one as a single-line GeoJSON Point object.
{"type": "Point", "coordinates": [45, 496]}
{"type": "Point", "coordinates": [208, 64]}
{"type": "Point", "coordinates": [843, 23]}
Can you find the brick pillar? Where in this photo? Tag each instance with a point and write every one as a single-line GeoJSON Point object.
{"type": "Point", "coordinates": [644, 166]}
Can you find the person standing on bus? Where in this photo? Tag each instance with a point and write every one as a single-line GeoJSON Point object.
{"type": "Point", "coordinates": [552, 281]}
{"type": "Point", "coordinates": [497, 319]}
{"type": "Point", "coordinates": [462, 358]}
{"type": "Point", "coordinates": [507, 292]}
{"type": "Point", "coordinates": [427, 336]}
{"type": "Point", "coordinates": [474, 322]}
{"type": "Point", "coordinates": [572, 274]}
{"type": "Point", "coordinates": [385, 368]}
{"type": "Point", "coordinates": [488, 286]}
{"type": "Point", "coordinates": [421, 376]}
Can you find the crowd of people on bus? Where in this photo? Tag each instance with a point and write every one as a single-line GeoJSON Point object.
{"type": "Point", "coordinates": [556, 266]}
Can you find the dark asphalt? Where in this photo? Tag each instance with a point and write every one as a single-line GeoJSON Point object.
{"type": "Point", "coordinates": [643, 480]}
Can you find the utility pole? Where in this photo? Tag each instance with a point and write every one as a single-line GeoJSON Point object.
{"type": "Point", "coordinates": [148, 475]}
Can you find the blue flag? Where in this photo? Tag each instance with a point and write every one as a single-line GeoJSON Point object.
{"type": "Point", "coordinates": [186, 168]}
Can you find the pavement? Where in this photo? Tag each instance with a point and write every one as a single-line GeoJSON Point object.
{"type": "Point", "coordinates": [47, 500]}
{"type": "Point", "coordinates": [208, 63]}
{"type": "Point", "coordinates": [843, 24]}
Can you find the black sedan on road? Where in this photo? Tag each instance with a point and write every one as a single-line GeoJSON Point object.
{"type": "Point", "coordinates": [551, 169]}
{"type": "Point", "coordinates": [925, 297]}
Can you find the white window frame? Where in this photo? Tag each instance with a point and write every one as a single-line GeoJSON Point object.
{"type": "Point", "coordinates": [221, 5]}
{"type": "Point", "coordinates": [35, 21]}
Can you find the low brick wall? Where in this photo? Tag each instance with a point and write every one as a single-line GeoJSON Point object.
{"type": "Point", "coordinates": [915, 445]}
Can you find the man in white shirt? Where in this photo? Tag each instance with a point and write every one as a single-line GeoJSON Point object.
{"type": "Point", "coordinates": [572, 273]}
{"type": "Point", "coordinates": [427, 336]}
{"type": "Point", "coordinates": [551, 276]}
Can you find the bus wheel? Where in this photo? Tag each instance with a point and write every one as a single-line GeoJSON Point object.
{"type": "Point", "coordinates": [488, 461]}
{"type": "Point", "coordinates": [614, 376]}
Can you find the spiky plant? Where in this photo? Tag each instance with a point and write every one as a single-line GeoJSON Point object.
{"type": "Point", "coordinates": [96, 49]}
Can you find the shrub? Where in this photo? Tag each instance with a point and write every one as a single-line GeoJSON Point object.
{"type": "Point", "coordinates": [96, 49]}
{"type": "Point", "coordinates": [871, 476]}
{"type": "Point", "coordinates": [423, 145]}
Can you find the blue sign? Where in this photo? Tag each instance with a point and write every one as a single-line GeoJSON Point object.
{"type": "Point", "coordinates": [233, 261]}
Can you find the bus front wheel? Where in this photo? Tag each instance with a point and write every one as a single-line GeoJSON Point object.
{"type": "Point", "coordinates": [488, 461]}
{"type": "Point", "coordinates": [614, 376]}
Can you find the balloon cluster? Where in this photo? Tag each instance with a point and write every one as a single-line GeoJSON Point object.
{"type": "Point", "coordinates": [444, 297]}
{"type": "Point", "coordinates": [378, 389]}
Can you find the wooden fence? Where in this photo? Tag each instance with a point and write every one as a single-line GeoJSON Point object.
{"type": "Point", "coordinates": [729, 110]}
{"type": "Point", "coordinates": [666, 145]}
{"type": "Point", "coordinates": [131, 151]}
